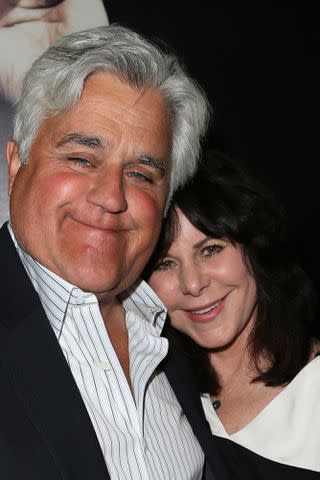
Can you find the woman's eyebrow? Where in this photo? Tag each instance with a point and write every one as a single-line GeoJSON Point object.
{"type": "Point", "coordinates": [201, 243]}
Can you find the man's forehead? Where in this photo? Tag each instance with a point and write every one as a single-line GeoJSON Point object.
{"type": "Point", "coordinates": [106, 83]}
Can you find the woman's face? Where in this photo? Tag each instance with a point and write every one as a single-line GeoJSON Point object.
{"type": "Point", "coordinates": [206, 286]}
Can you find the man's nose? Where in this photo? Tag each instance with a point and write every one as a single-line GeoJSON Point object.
{"type": "Point", "coordinates": [108, 192]}
{"type": "Point", "coordinates": [193, 280]}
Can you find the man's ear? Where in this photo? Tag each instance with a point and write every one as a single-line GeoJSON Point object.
{"type": "Point", "coordinates": [13, 159]}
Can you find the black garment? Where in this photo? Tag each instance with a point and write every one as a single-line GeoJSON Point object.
{"type": "Point", "coordinates": [245, 464]}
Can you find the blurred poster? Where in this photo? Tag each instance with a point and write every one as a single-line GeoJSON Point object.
{"type": "Point", "coordinates": [27, 28]}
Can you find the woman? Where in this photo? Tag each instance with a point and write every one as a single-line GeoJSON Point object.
{"type": "Point", "coordinates": [226, 271]}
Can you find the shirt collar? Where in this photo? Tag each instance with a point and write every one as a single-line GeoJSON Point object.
{"type": "Point", "coordinates": [142, 300]}
{"type": "Point", "coordinates": [57, 295]}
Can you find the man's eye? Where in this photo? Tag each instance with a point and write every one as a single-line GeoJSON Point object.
{"type": "Point", "coordinates": [80, 161]}
{"type": "Point", "coordinates": [141, 177]}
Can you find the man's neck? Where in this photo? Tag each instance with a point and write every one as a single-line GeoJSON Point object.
{"type": "Point", "coordinates": [114, 319]}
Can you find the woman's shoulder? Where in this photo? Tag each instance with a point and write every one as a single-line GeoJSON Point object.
{"type": "Point", "coordinates": [287, 430]}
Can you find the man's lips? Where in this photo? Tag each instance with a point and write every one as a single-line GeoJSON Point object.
{"type": "Point", "coordinates": [110, 226]}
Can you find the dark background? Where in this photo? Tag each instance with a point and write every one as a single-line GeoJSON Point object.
{"type": "Point", "coordinates": [258, 65]}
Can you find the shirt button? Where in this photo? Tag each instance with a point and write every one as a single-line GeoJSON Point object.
{"type": "Point", "coordinates": [105, 365]}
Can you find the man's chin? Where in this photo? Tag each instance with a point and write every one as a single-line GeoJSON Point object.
{"type": "Point", "coordinates": [108, 287]}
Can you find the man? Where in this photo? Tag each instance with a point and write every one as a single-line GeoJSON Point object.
{"type": "Point", "coordinates": [106, 128]}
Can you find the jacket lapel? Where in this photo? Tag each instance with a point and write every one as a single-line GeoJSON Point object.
{"type": "Point", "coordinates": [179, 372]}
{"type": "Point", "coordinates": [41, 377]}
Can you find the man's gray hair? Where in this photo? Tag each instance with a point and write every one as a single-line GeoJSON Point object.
{"type": "Point", "coordinates": [55, 81]}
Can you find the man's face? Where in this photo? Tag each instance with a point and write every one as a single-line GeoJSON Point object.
{"type": "Point", "coordinates": [89, 203]}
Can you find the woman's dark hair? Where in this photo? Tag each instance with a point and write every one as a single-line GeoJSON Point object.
{"type": "Point", "coordinates": [224, 202]}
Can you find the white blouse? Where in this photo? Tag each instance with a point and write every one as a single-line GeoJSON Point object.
{"type": "Point", "coordinates": [287, 430]}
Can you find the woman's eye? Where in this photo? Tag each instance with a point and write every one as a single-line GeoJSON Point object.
{"type": "Point", "coordinates": [164, 264]}
{"type": "Point", "coordinates": [82, 162]}
{"type": "Point", "coordinates": [211, 250]}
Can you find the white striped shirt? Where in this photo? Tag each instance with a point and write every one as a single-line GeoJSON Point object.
{"type": "Point", "coordinates": [143, 436]}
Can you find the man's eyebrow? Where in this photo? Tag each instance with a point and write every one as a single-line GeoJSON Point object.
{"type": "Point", "coordinates": [94, 141]}
{"type": "Point", "coordinates": [147, 160]}
{"type": "Point", "coordinates": [85, 140]}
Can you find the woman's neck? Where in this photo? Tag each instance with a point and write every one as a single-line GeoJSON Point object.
{"type": "Point", "coordinates": [239, 399]}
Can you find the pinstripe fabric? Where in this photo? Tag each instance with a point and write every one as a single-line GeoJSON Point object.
{"type": "Point", "coordinates": [141, 437]}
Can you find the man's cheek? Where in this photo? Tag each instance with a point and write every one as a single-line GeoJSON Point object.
{"type": "Point", "coordinates": [150, 208]}
{"type": "Point", "coordinates": [60, 190]}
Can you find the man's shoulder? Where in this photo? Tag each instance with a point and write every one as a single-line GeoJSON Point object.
{"type": "Point", "coordinates": [8, 252]}
{"type": "Point", "coordinates": [4, 231]}
{"type": "Point", "coordinates": [6, 247]}
{"type": "Point", "coordinates": [17, 292]}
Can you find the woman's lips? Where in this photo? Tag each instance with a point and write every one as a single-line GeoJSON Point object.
{"type": "Point", "coordinates": [207, 312]}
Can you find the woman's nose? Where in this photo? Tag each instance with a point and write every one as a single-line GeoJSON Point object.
{"type": "Point", "coordinates": [193, 280]}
